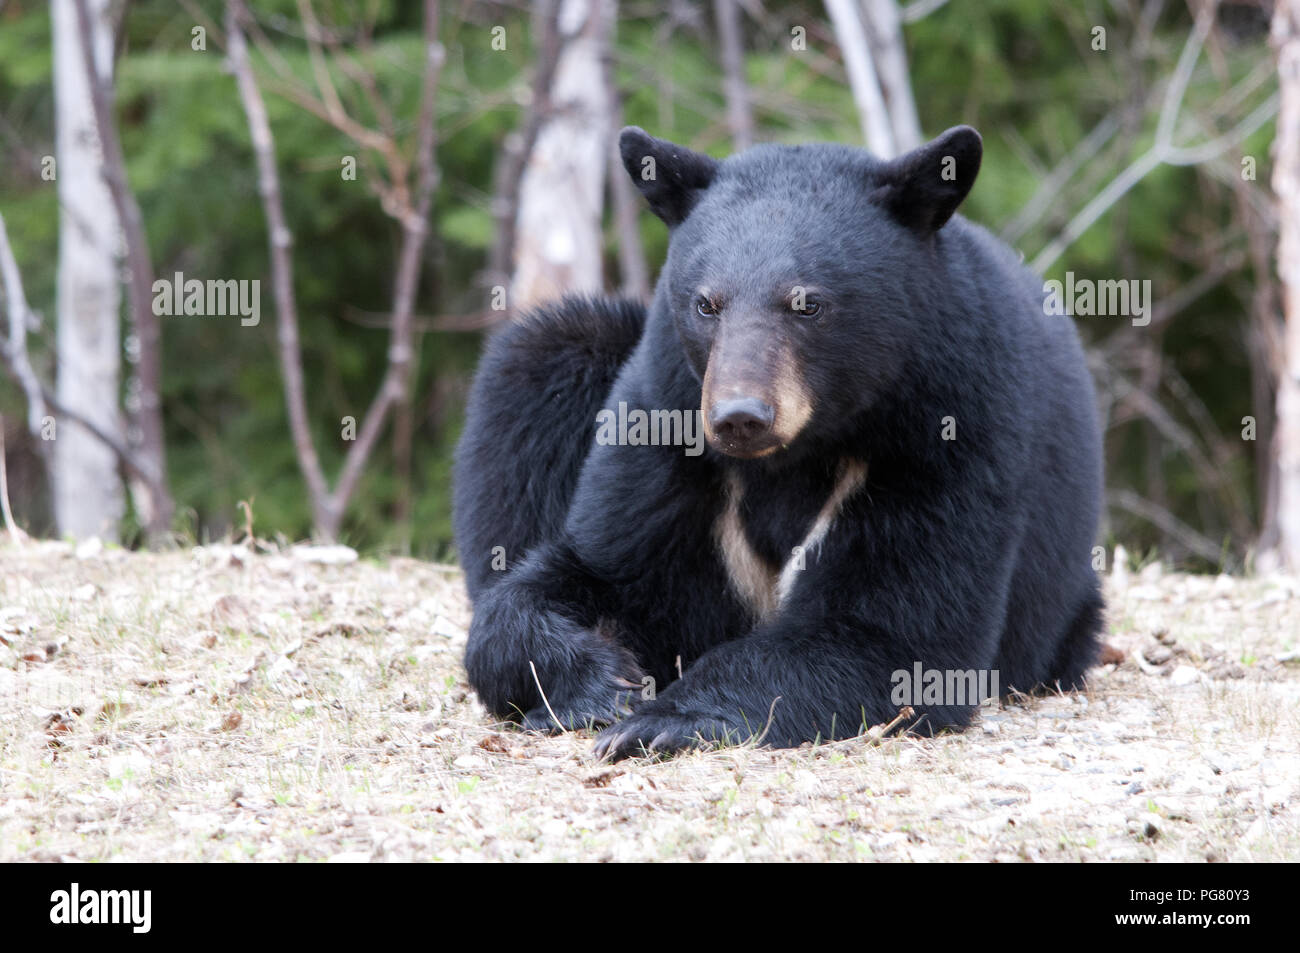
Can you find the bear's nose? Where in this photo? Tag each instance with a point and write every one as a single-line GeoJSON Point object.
{"type": "Point", "coordinates": [740, 419]}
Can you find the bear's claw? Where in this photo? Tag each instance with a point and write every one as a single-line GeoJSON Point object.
{"type": "Point", "coordinates": [653, 733]}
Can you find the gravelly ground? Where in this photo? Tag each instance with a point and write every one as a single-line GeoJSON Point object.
{"type": "Point", "coordinates": [226, 705]}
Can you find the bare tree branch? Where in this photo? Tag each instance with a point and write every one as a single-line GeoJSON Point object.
{"type": "Point", "coordinates": [15, 346]}
{"type": "Point", "coordinates": [281, 244]}
{"type": "Point", "coordinates": [329, 506]}
{"type": "Point", "coordinates": [50, 403]}
{"type": "Point", "coordinates": [126, 456]}
{"type": "Point", "coordinates": [414, 222]}
{"type": "Point", "coordinates": [1049, 190]}
{"type": "Point", "coordinates": [1194, 155]}
{"type": "Point", "coordinates": [1213, 477]}
{"type": "Point", "coordinates": [740, 118]}
{"type": "Point", "coordinates": [1193, 541]}
{"type": "Point", "coordinates": [311, 26]}
{"type": "Point", "coordinates": [1162, 151]}
{"type": "Point", "coordinates": [920, 8]}
{"type": "Point", "coordinates": [16, 534]}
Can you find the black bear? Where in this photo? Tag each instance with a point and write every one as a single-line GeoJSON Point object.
{"type": "Point", "coordinates": [899, 469]}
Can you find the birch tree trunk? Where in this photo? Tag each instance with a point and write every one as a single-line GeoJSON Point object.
{"type": "Point", "coordinates": [885, 34]}
{"type": "Point", "coordinates": [87, 491]}
{"type": "Point", "coordinates": [877, 129]}
{"type": "Point", "coordinates": [561, 195]}
{"type": "Point", "coordinates": [1286, 185]}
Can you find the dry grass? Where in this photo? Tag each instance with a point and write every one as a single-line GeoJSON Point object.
{"type": "Point", "coordinates": [220, 705]}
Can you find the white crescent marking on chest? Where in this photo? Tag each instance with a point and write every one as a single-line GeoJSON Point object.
{"type": "Point", "coordinates": [759, 584]}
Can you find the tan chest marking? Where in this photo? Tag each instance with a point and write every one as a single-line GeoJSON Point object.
{"type": "Point", "coordinates": [752, 577]}
{"type": "Point", "coordinates": [762, 586]}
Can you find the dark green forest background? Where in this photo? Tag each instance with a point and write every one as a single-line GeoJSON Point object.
{"type": "Point", "coordinates": [1023, 72]}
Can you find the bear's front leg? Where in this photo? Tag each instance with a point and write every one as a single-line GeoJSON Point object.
{"type": "Point", "coordinates": [544, 662]}
{"type": "Point", "coordinates": [899, 584]}
{"type": "Point", "coordinates": [785, 683]}
{"type": "Point", "coordinates": [793, 681]}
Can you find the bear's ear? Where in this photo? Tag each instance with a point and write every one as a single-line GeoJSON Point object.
{"type": "Point", "coordinates": [922, 188]}
{"type": "Point", "coordinates": [670, 176]}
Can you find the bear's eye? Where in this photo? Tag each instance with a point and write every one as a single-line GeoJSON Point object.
{"type": "Point", "coordinates": [810, 309]}
{"type": "Point", "coordinates": [705, 308]}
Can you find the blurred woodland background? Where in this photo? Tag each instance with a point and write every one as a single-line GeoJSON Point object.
{"type": "Point", "coordinates": [402, 176]}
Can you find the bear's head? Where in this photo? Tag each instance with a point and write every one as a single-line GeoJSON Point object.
{"type": "Point", "coordinates": [798, 277]}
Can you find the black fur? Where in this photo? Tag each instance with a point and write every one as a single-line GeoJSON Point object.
{"type": "Point", "coordinates": [531, 414]}
{"type": "Point", "coordinates": [971, 553]}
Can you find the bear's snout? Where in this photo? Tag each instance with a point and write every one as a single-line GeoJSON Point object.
{"type": "Point", "coordinates": [754, 400]}
{"type": "Point", "coordinates": [742, 425]}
